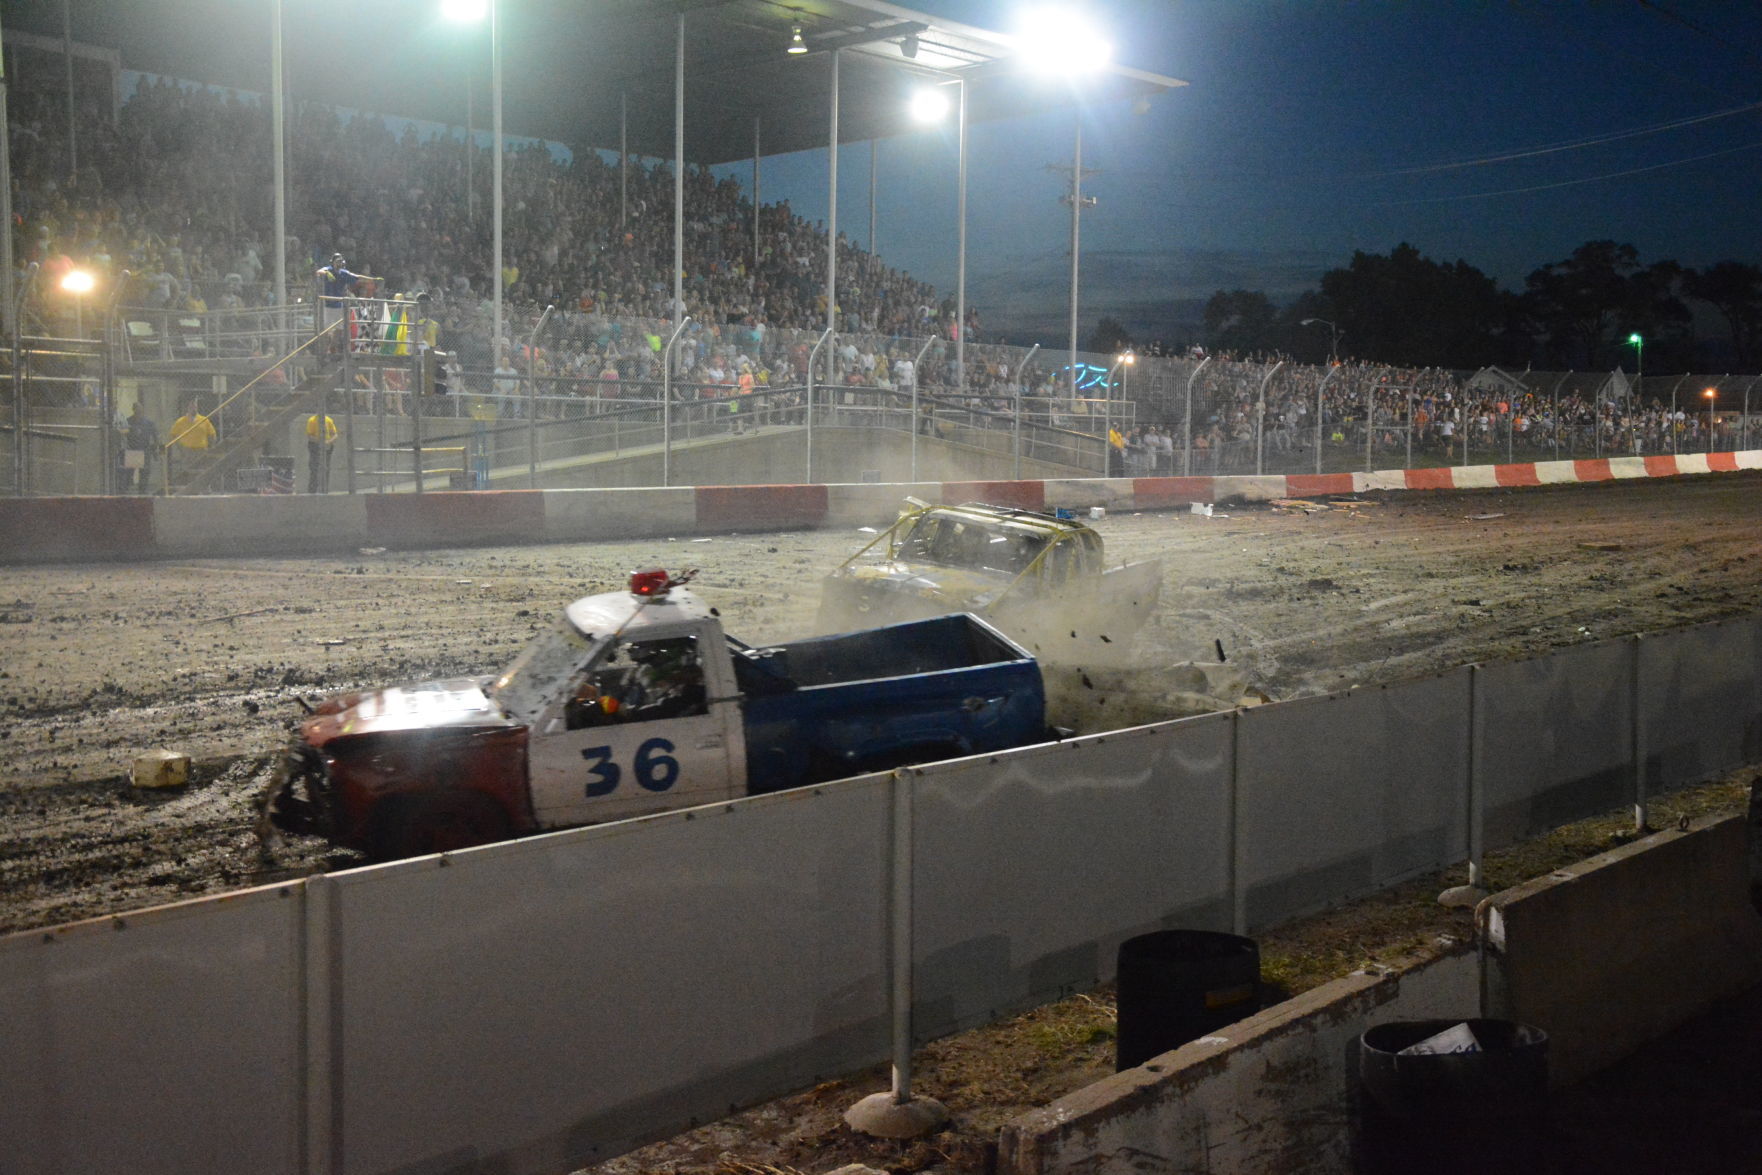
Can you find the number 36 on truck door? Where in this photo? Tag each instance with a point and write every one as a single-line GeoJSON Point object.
{"type": "Point", "coordinates": [637, 732]}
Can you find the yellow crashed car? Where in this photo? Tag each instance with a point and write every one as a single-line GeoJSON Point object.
{"type": "Point", "coordinates": [1041, 578]}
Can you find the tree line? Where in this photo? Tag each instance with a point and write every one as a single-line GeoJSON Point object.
{"type": "Point", "coordinates": [1580, 313]}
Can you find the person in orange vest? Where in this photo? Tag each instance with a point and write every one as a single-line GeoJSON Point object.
{"type": "Point", "coordinates": [742, 405]}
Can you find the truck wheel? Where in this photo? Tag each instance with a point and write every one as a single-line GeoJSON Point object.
{"type": "Point", "coordinates": [417, 825]}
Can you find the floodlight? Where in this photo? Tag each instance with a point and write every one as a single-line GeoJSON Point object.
{"type": "Point", "coordinates": [796, 44]}
{"type": "Point", "coordinates": [1059, 41]}
{"type": "Point", "coordinates": [78, 281]}
{"type": "Point", "coordinates": [465, 10]}
{"type": "Point", "coordinates": [929, 105]}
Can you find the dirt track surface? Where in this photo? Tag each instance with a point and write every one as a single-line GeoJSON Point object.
{"type": "Point", "coordinates": [101, 662]}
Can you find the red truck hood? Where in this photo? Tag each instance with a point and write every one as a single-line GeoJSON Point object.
{"type": "Point", "coordinates": [431, 705]}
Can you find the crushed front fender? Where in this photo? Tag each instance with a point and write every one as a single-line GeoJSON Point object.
{"type": "Point", "coordinates": [300, 799]}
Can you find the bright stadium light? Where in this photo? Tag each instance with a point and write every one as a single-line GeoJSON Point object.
{"type": "Point", "coordinates": [929, 105]}
{"type": "Point", "coordinates": [1060, 41]}
{"type": "Point", "coordinates": [465, 10]}
{"type": "Point", "coordinates": [78, 281]}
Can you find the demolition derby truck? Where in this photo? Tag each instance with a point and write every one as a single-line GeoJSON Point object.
{"type": "Point", "coordinates": [1041, 577]}
{"type": "Point", "coordinates": [637, 702]}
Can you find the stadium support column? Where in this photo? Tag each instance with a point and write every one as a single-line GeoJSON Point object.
{"type": "Point", "coordinates": [832, 233]}
{"type": "Point", "coordinates": [1076, 212]}
{"type": "Point", "coordinates": [678, 312]}
{"type": "Point", "coordinates": [960, 271]}
{"type": "Point", "coordinates": [6, 258]}
{"type": "Point", "coordinates": [753, 281]}
{"type": "Point", "coordinates": [73, 133]}
{"type": "Point", "coordinates": [623, 159]}
{"type": "Point", "coordinates": [278, 145]}
{"type": "Point", "coordinates": [495, 69]}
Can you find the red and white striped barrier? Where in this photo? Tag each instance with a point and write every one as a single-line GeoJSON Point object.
{"type": "Point", "coordinates": [44, 530]}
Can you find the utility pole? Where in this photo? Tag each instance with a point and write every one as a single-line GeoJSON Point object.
{"type": "Point", "coordinates": [1076, 201]}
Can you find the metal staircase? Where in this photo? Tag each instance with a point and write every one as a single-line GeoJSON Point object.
{"type": "Point", "coordinates": [258, 415]}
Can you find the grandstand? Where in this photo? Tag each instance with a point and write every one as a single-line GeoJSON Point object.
{"type": "Point", "coordinates": [595, 380]}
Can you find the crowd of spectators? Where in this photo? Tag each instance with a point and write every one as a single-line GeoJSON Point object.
{"type": "Point", "coordinates": [176, 189]}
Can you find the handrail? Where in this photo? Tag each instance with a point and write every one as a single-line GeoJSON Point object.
{"type": "Point", "coordinates": [254, 380]}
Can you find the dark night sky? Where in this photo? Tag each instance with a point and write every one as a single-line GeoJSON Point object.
{"type": "Point", "coordinates": [1500, 132]}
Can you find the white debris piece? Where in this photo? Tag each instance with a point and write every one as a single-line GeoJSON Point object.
{"type": "Point", "coordinates": [1459, 1039]}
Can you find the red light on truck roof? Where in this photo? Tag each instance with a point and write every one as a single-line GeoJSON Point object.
{"type": "Point", "coordinates": [652, 582]}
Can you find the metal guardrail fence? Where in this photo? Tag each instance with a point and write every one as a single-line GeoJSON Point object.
{"type": "Point", "coordinates": [578, 384]}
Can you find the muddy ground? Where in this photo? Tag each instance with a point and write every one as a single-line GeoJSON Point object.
{"type": "Point", "coordinates": [100, 662]}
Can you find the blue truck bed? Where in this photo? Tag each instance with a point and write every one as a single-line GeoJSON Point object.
{"type": "Point", "coordinates": [833, 706]}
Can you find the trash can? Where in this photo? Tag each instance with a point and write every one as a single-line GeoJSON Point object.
{"type": "Point", "coordinates": [1452, 1096]}
{"type": "Point", "coordinates": [1178, 985]}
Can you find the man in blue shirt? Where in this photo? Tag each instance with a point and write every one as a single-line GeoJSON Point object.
{"type": "Point", "coordinates": [334, 283]}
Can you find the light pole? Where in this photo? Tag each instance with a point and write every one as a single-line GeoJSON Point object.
{"type": "Point", "coordinates": [1334, 335]}
{"type": "Point", "coordinates": [79, 283]}
{"type": "Point", "coordinates": [930, 105]}
{"type": "Point", "coordinates": [475, 10]}
{"type": "Point", "coordinates": [1712, 395]}
{"type": "Point", "coordinates": [1053, 43]}
{"type": "Point", "coordinates": [1639, 345]}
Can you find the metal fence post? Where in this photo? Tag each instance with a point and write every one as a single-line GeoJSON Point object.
{"type": "Point", "coordinates": [1238, 847]}
{"type": "Point", "coordinates": [1637, 739]}
{"type": "Point", "coordinates": [317, 1100]}
{"type": "Point", "coordinates": [1477, 799]}
{"type": "Point", "coordinates": [1187, 458]}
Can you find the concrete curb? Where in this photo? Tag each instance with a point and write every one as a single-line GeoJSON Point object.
{"type": "Point", "coordinates": [44, 530]}
{"type": "Point", "coordinates": [1270, 1093]}
{"type": "Point", "coordinates": [1615, 951]}
{"type": "Point", "coordinates": [1620, 948]}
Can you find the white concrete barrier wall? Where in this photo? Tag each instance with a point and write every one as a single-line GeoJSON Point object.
{"type": "Point", "coordinates": [165, 1042]}
{"type": "Point", "coordinates": [586, 515]}
{"type": "Point", "coordinates": [1686, 677]}
{"type": "Point", "coordinates": [1347, 793]}
{"type": "Point", "coordinates": [556, 1000]}
{"type": "Point", "coordinates": [1029, 871]}
{"type": "Point", "coordinates": [1555, 738]}
{"type": "Point", "coordinates": [268, 524]}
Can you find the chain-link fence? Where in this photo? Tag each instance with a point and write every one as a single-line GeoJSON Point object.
{"type": "Point", "coordinates": [421, 389]}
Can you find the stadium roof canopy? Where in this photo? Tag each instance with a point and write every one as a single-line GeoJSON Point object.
{"type": "Point", "coordinates": [569, 66]}
{"type": "Point", "coordinates": [737, 70]}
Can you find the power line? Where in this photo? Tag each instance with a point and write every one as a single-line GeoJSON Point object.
{"type": "Point", "coordinates": [1572, 183]}
{"type": "Point", "coordinates": [1573, 144]}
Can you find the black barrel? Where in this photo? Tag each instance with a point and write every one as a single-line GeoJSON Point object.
{"type": "Point", "coordinates": [1484, 1111]}
{"type": "Point", "coordinates": [1178, 985]}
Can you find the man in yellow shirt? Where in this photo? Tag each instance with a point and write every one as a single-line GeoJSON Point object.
{"type": "Point", "coordinates": [320, 440]}
{"type": "Point", "coordinates": [193, 430]}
